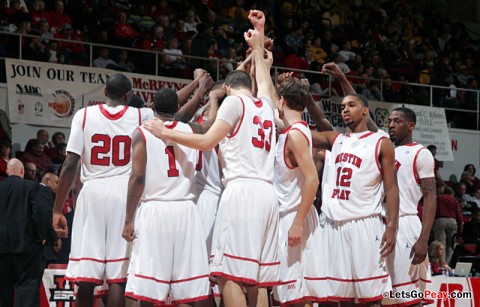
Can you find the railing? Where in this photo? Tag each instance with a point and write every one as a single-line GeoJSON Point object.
{"type": "Point", "coordinates": [462, 109]}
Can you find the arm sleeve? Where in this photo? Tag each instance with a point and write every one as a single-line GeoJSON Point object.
{"type": "Point", "coordinates": [425, 164]}
{"type": "Point", "coordinates": [39, 215]}
{"type": "Point", "coordinates": [231, 110]}
{"type": "Point", "coordinates": [75, 141]}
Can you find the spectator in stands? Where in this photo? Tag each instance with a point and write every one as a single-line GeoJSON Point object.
{"type": "Point", "coordinates": [5, 152]}
{"type": "Point", "coordinates": [372, 91]}
{"type": "Point", "coordinates": [38, 156]}
{"type": "Point", "coordinates": [346, 53]}
{"type": "Point", "coordinates": [43, 136]}
{"type": "Point", "coordinates": [238, 10]}
{"type": "Point", "coordinates": [59, 156]}
{"type": "Point", "coordinates": [44, 28]}
{"type": "Point", "coordinates": [30, 171]}
{"type": "Point", "coordinates": [37, 13]}
{"type": "Point", "coordinates": [173, 61]}
{"type": "Point", "coordinates": [318, 53]}
{"type": "Point", "coordinates": [448, 218]}
{"type": "Point", "coordinates": [58, 138]}
{"type": "Point", "coordinates": [58, 18]}
{"type": "Point", "coordinates": [124, 63]}
{"type": "Point", "coordinates": [53, 54]}
{"type": "Point", "coordinates": [190, 24]}
{"type": "Point", "coordinates": [123, 33]}
{"type": "Point", "coordinates": [103, 60]}
{"type": "Point", "coordinates": [179, 31]}
{"type": "Point", "coordinates": [471, 229]}
{"type": "Point", "coordinates": [34, 50]}
{"type": "Point", "coordinates": [473, 200]}
{"type": "Point", "coordinates": [15, 12]}
{"type": "Point", "coordinates": [294, 40]}
{"type": "Point", "coordinates": [331, 19]}
{"type": "Point", "coordinates": [471, 168]}
{"type": "Point", "coordinates": [155, 41]}
{"type": "Point", "coordinates": [436, 255]}
{"type": "Point", "coordinates": [25, 27]}
{"type": "Point", "coordinates": [467, 178]}
{"type": "Point", "coordinates": [74, 53]}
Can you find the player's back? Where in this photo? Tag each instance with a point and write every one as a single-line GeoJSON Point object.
{"type": "Point", "coordinates": [170, 169]}
{"type": "Point", "coordinates": [353, 187]}
{"type": "Point", "coordinates": [288, 180]}
{"type": "Point", "coordinates": [249, 152]}
{"type": "Point", "coordinates": [407, 160]}
{"type": "Point", "coordinates": [107, 137]}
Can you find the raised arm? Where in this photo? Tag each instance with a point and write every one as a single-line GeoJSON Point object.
{"type": "Point", "coordinates": [387, 162]}
{"type": "Point", "coordinates": [187, 111]}
{"type": "Point", "coordinates": [203, 127]}
{"type": "Point", "coordinates": [335, 71]}
{"type": "Point", "coordinates": [185, 92]}
{"type": "Point", "coordinates": [136, 184]}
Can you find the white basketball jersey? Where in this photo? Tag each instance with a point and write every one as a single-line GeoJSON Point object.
{"type": "Point", "coordinates": [102, 135]}
{"type": "Point", "coordinates": [170, 169]}
{"type": "Point", "coordinates": [208, 171]}
{"type": "Point", "coordinates": [287, 180]}
{"type": "Point", "coordinates": [407, 158]}
{"type": "Point", "coordinates": [353, 188]}
{"type": "Point", "coordinates": [249, 152]}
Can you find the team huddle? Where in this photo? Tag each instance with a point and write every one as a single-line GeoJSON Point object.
{"type": "Point", "coordinates": [226, 199]}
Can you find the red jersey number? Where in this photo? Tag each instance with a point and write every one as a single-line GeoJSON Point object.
{"type": "Point", "coordinates": [344, 175]}
{"type": "Point", "coordinates": [261, 141]}
{"type": "Point", "coordinates": [172, 166]}
{"type": "Point", "coordinates": [118, 147]}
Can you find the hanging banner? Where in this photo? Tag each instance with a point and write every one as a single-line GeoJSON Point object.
{"type": "Point", "coordinates": [431, 128]}
{"type": "Point", "coordinates": [49, 94]}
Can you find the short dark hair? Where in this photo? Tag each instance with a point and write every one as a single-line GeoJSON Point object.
{"type": "Point", "coordinates": [5, 144]}
{"type": "Point", "coordinates": [431, 147]}
{"type": "Point", "coordinates": [362, 99]}
{"type": "Point", "coordinates": [166, 101]}
{"type": "Point", "coordinates": [54, 136]}
{"type": "Point", "coordinates": [295, 93]}
{"type": "Point", "coordinates": [409, 114]}
{"type": "Point", "coordinates": [238, 79]}
{"type": "Point", "coordinates": [117, 85]}
{"type": "Point", "coordinates": [136, 102]}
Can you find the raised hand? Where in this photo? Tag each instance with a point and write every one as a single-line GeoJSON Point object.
{"type": "Point", "coordinates": [257, 18]}
{"type": "Point", "coordinates": [198, 73]}
{"type": "Point", "coordinates": [254, 39]}
{"type": "Point", "coordinates": [332, 69]}
{"type": "Point", "coordinates": [206, 83]}
{"type": "Point", "coordinates": [268, 43]}
{"type": "Point", "coordinates": [284, 76]}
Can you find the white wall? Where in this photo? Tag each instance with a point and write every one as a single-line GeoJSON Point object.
{"type": "Point", "coordinates": [466, 150]}
{"type": "Point", "coordinates": [21, 133]}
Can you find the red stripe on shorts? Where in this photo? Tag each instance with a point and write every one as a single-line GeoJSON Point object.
{"type": "Point", "coordinates": [190, 300]}
{"type": "Point", "coordinates": [144, 298]}
{"type": "Point", "coordinates": [251, 260]}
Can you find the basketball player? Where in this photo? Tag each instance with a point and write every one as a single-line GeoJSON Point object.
{"type": "Point", "coordinates": [245, 246]}
{"type": "Point", "coordinates": [360, 167]}
{"type": "Point", "coordinates": [296, 182]}
{"type": "Point", "coordinates": [415, 173]}
{"type": "Point", "coordinates": [169, 257]}
{"type": "Point", "coordinates": [101, 138]}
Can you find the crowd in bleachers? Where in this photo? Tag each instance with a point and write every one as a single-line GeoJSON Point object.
{"type": "Point", "coordinates": [388, 40]}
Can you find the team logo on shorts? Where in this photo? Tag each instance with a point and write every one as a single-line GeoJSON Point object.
{"type": "Point", "coordinates": [63, 104]}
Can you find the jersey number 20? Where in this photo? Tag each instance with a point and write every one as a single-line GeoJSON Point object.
{"type": "Point", "coordinates": [111, 147]}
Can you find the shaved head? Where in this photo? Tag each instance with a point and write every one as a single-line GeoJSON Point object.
{"type": "Point", "coordinates": [51, 181]}
{"type": "Point", "coordinates": [15, 168]}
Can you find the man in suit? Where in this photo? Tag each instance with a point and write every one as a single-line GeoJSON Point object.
{"type": "Point", "coordinates": [23, 229]}
{"type": "Point", "coordinates": [48, 188]}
